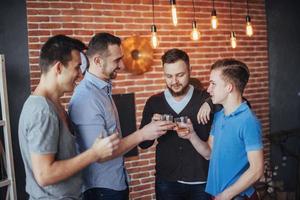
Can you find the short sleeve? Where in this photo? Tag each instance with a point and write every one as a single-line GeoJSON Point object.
{"type": "Point", "coordinates": [251, 134]}
{"type": "Point", "coordinates": [43, 133]}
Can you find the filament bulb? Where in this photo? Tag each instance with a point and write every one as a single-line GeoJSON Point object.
{"type": "Point", "coordinates": [154, 38]}
{"type": "Point", "coordinates": [174, 14]}
{"type": "Point", "coordinates": [233, 40]}
{"type": "Point", "coordinates": [195, 34]}
{"type": "Point", "coordinates": [214, 19]}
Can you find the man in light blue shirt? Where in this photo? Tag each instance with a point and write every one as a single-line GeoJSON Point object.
{"type": "Point", "coordinates": [92, 111]}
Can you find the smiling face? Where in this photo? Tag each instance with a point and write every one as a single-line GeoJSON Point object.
{"type": "Point", "coordinates": [71, 72]}
{"type": "Point", "coordinates": [112, 62]}
{"type": "Point", "coordinates": [218, 87]}
{"type": "Point", "coordinates": [177, 77]}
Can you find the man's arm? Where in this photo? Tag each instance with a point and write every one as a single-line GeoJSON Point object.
{"type": "Point", "coordinates": [147, 118]}
{"type": "Point", "coordinates": [203, 115]}
{"type": "Point", "coordinates": [201, 146]}
{"type": "Point", "coordinates": [248, 178]}
{"type": "Point", "coordinates": [149, 132]}
{"type": "Point", "coordinates": [47, 170]}
{"type": "Point", "coordinates": [189, 133]}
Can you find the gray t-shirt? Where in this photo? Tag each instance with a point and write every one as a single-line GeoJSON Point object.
{"type": "Point", "coordinates": [42, 132]}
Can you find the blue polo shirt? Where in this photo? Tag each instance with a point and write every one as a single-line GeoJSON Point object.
{"type": "Point", "coordinates": [234, 135]}
{"type": "Point", "coordinates": [93, 113]}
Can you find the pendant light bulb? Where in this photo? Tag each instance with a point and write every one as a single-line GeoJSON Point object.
{"type": "Point", "coordinates": [214, 19]}
{"type": "Point", "coordinates": [154, 38]}
{"type": "Point", "coordinates": [195, 34]}
{"type": "Point", "coordinates": [249, 28]}
{"type": "Point", "coordinates": [174, 12]}
{"type": "Point", "coordinates": [233, 40]}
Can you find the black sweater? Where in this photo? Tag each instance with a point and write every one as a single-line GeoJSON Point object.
{"type": "Point", "coordinates": [176, 158]}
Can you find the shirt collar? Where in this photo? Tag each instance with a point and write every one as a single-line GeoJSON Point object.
{"type": "Point", "coordinates": [99, 83]}
{"type": "Point", "coordinates": [239, 110]}
{"type": "Point", "coordinates": [188, 95]}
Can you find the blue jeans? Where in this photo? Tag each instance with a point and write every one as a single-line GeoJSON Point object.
{"type": "Point", "coordinates": [105, 194]}
{"type": "Point", "coordinates": [172, 190]}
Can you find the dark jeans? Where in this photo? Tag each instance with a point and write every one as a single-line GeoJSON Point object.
{"type": "Point", "coordinates": [105, 194]}
{"type": "Point", "coordinates": [169, 190]}
{"type": "Point", "coordinates": [253, 197]}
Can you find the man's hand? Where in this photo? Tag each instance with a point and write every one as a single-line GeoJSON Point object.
{"type": "Point", "coordinates": [203, 115]}
{"type": "Point", "coordinates": [185, 130]}
{"type": "Point", "coordinates": [104, 147]}
{"type": "Point", "coordinates": [156, 117]}
{"type": "Point", "coordinates": [156, 129]}
{"type": "Point", "coordinates": [223, 196]}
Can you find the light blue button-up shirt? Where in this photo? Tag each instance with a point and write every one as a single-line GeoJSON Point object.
{"type": "Point", "coordinates": [93, 113]}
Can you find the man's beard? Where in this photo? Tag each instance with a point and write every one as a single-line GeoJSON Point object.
{"type": "Point", "coordinates": [113, 75]}
{"type": "Point", "coordinates": [183, 91]}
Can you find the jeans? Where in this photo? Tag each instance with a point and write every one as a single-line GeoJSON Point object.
{"type": "Point", "coordinates": [172, 190]}
{"type": "Point", "coordinates": [253, 197]}
{"type": "Point", "coordinates": [105, 194]}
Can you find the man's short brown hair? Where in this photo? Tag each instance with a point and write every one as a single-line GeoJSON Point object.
{"type": "Point", "coordinates": [233, 71]}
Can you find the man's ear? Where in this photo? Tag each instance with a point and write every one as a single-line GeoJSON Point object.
{"type": "Point", "coordinates": [98, 61]}
{"type": "Point", "coordinates": [229, 87]}
{"type": "Point", "coordinates": [57, 67]}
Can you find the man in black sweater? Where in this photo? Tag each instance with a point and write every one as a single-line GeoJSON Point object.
{"type": "Point", "coordinates": [181, 172]}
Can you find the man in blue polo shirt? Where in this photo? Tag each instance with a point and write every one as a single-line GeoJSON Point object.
{"type": "Point", "coordinates": [236, 160]}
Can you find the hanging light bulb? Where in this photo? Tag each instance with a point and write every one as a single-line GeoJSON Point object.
{"type": "Point", "coordinates": [233, 39]}
{"type": "Point", "coordinates": [249, 28]}
{"type": "Point", "coordinates": [154, 38]}
{"type": "Point", "coordinates": [214, 19]}
{"type": "Point", "coordinates": [195, 34]}
{"type": "Point", "coordinates": [232, 33]}
{"type": "Point", "coordinates": [174, 12]}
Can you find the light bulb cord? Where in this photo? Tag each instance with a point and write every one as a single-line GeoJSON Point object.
{"type": "Point", "coordinates": [248, 7]}
{"type": "Point", "coordinates": [230, 15]}
{"type": "Point", "coordinates": [194, 10]}
{"type": "Point", "coordinates": [153, 20]}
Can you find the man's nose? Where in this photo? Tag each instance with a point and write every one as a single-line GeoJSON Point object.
{"type": "Point", "coordinates": [121, 65]}
{"type": "Point", "coordinates": [174, 80]}
{"type": "Point", "coordinates": [209, 89]}
{"type": "Point", "coordinates": [79, 76]}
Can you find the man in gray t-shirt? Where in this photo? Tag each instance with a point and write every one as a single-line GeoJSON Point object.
{"type": "Point", "coordinates": [45, 132]}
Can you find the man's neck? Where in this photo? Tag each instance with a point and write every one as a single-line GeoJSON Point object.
{"type": "Point", "coordinates": [48, 90]}
{"type": "Point", "coordinates": [93, 70]}
{"type": "Point", "coordinates": [232, 102]}
{"type": "Point", "coordinates": [180, 97]}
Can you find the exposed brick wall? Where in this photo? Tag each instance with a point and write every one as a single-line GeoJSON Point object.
{"type": "Point", "coordinates": [84, 18]}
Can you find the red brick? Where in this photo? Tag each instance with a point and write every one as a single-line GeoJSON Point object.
{"type": "Point", "coordinates": [59, 5]}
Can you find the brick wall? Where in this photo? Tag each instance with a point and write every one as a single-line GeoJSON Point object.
{"type": "Point", "coordinates": [84, 18]}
